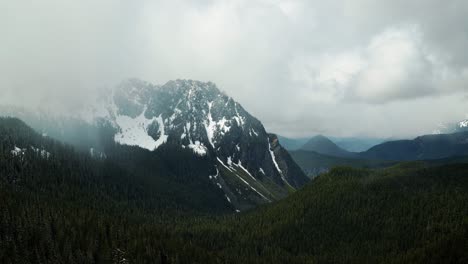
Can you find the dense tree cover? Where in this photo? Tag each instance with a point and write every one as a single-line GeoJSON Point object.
{"type": "Point", "coordinates": [58, 204]}
{"type": "Point", "coordinates": [176, 180]}
{"type": "Point", "coordinates": [70, 208]}
{"type": "Point", "coordinates": [410, 213]}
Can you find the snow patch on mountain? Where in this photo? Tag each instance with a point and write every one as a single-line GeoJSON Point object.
{"type": "Point", "coordinates": [44, 153]}
{"type": "Point", "coordinates": [197, 116]}
{"type": "Point", "coordinates": [239, 119]}
{"type": "Point", "coordinates": [97, 154]}
{"type": "Point", "coordinates": [18, 151]}
{"type": "Point", "coordinates": [261, 171]}
{"type": "Point", "coordinates": [210, 125]}
{"type": "Point", "coordinates": [198, 148]}
{"type": "Point", "coordinates": [134, 131]}
{"type": "Point", "coordinates": [223, 127]}
{"type": "Point", "coordinates": [251, 187]}
{"type": "Point", "coordinates": [463, 124]}
{"type": "Point", "coordinates": [235, 172]}
{"type": "Point", "coordinates": [272, 154]}
{"type": "Point", "coordinates": [214, 176]}
{"type": "Point", "coordinates": [239, 164]}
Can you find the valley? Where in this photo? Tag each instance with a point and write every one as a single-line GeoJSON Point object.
{"type": "Point", "coordinates": [201, 181]}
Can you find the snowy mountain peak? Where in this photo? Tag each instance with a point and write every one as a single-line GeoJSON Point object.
{"type": "Point", "coordinates": [183, 111]}
{"type": "Point", "coordinates": [189, 119]}
{"type": "Point", "coordinates": [197, 116]}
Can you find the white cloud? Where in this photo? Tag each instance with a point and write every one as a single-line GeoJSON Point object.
{"type": "Point", "coordinates": [397, 67]}
{"type": "Point", "coordinates": [326, 77]}
{"type": "Point", "coordinates": [324, 65]}
{"type": "Point", "coordinates": [394, 65]}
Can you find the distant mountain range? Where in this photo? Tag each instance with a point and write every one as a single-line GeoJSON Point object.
{"type": "Point", "coordinates": [292, 143]}
{"type": "Point", "coordinates": [338, 146]}
{"type": "Point", "coordinates": [434, 146]}
{"type": "Point", "coordinates": [320, 154]}
{"type": "Point", "coordinates": [60, 205]}
{"type": "Point", "coordinates": [323, 145]}
{"type": "Point", "coordinates": [155, 174]}
{"type": "Point", "coordinates": [351, 144]}
{"type": "Point", "coordinates": [314, 163]}
{"type": "Point", "coordinates": [357, 144]}
{"type": "Point", "coordinates": [421, 148]}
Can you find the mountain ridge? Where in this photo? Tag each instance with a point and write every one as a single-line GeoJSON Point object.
{"type": "Point", "coordinates": [324, 145]}
{"type": "Point", "coordinates": [435, 146]}
{"type": "Point", "coordinates": [247, 164]}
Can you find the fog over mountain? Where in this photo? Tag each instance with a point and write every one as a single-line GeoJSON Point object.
{"type": "Point", "coordinates": [339, 68]}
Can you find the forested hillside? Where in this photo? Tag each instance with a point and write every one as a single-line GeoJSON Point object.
{"type": "Point", "coordinates": [409, 213]}
{"type": "Point", "coordinates": [62, 206]}
{"type": "Point", "coordinates": [128, 175]}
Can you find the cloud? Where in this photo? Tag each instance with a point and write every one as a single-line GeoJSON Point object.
{"type": "Point", "coordinates": [394, 65]}
{"type": "Point", "coordinates": [397, 67]}
{"type": "Point", "coordinates": [302, 67]}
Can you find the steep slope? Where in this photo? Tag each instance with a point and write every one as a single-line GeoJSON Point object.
{"type": "Point", "coordinates": [65, 206]}
{"type": "Point", "coordinates": [38, 164]}
{"type": "Point", "coordinates": [71, 129]}
{"type": "Point", "coordinates": [405, 214]}
{"type": "Point", "coordinates": [323, 145]}
{"type": "Point", "coordinates": [292, 143]}
{"type": "Point", "coordinates": [181, 116]}
{"type": "Point", "coordinates": [424, 147]}
{"type": "Point", "coordinates": [197, 116]}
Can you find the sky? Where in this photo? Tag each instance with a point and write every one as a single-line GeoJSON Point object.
{"type": "Point", "coordinates": [338, 67]}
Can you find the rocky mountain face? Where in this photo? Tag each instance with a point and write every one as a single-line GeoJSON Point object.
{"type": "Point", "coordinates": [247, 164]}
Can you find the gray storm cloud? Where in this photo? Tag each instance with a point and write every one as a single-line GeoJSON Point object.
{"type": "Point", "coordinates": [356, 67]}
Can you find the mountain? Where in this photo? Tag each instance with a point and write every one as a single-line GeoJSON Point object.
{"type": "Point", "coordinates": [63, 205]}
{"type": "Point", "coordinates": [313, 163]}
{"type": "Point", "coordinates": [356, 144]}
{"type": "Point", "coordinates": [463, 125]}
{"type": "Point", "coordinates": [245, 162]}
{"type": "Point", "coordinates": [125, 177]}
{"type": "Point", "coordinates": [450, 128]}
{"type": "Point", "coordinates": [409, 213]}
{"type": "Point", "coordinates": [351, 144]}
{"type": "Point", "coordinates": [75, 130]}
{"type": "Point", "coordinates": [421, 148]}
{"type": "Point", "coordinates": [323, 145]}
{"type": "Point", "coordinates": [292, 143]}
{"type": "Point", "coordinates": [248, 164]}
